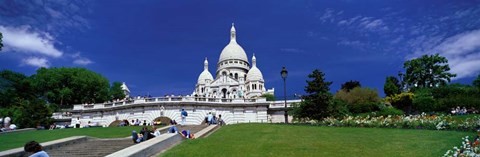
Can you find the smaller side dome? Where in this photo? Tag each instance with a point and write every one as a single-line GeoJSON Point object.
{"type": "Point", "coordinates": [205, 75]}
{"type": "Point", "coordinates": [254, 74]}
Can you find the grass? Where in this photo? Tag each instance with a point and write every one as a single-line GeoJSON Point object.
{"type": "Point", "coordinates": [18, 139]}
{"type": "Point", "coordinates": [298, 140]}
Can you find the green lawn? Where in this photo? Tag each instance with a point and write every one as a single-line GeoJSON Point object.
{"type": "Point", "coordinates": [290, 140]}
{"type": "Point", "coordinates": [18, 139]}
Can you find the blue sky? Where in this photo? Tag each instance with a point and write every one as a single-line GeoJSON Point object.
{"type": "Point", "coordinates": [158, 47]}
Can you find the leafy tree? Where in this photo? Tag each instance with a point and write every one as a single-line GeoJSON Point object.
{"type": "Point", "coordinates": [392, 86]}
{"type": "Point", "coordinates": [68, 86]}
{"type": "Point", "coordinates": [427, 71]}
{"type": "Point", "coordinates": [29, 113]}
{"type": "Point", "coordinates": [14, 85]}
{"type": "Point", "coordinates": [347, 86]}
{"type": "Point", "coordinates": [19, 101]}
{"type": "Point", "coordinates": [1, 43]}
{"type": "Point", "coordinates": [116, 91]}
{"type": "Point", "coordinates": [476, 82]}
{"type": "Point", "coordinates": [269, 97]}
{"type": "Point", "coordinates": [317, 100]}
{"type": "Point", "coordinates": [360, 100]}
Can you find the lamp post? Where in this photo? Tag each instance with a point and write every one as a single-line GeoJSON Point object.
{"type": "Point", "coordinates": [400, 76]}
{"type": "Point", "coordinates": [284, 74]}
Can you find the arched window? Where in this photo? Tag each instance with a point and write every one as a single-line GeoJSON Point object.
{"type": "Point", "coordinates": [224, 73]}
{"type": "Point", "coordinates": [231, 75]}
{"type": "Point", "coordinates": [236, 75]}
{"type": "Point", "coordinates": [224, 92]}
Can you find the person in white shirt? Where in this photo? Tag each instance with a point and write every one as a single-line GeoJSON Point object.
{"type": "Point", "coordinates": [6, 122]}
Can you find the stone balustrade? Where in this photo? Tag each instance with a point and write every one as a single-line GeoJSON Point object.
{"type": "Point", "coordinates": [281, 103]}
{"type": "Point", "coordinates": [164, 99]}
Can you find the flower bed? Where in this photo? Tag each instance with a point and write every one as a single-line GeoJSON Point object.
{"type": "Point", "coordinates": [467, 149]}
{"type": "Point", "coordinates": [422, 121]}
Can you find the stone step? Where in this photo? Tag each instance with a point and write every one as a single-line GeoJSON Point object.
{"type": "Point", "coordinates": [92, 147]}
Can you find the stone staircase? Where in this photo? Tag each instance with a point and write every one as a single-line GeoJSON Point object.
{"type": "Point", "coordinates": [92, 147]}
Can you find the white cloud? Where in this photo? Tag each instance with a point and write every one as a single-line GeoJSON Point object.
{"type": "Point", "coordinates": [329, 15]}
{"type": "Point", "coordinates": [348, 22]}
{"type": "Point", "coordinates": [79, 59]}
{"type": "Point", "coordinates": [461, 50]}
{"type": "Point", "coordinates": [363, 23]}
{"type": "Point", "coordinates": [82, 61]}
{"type": "Point", "coordinates": [375, 24]}
{"type": "Point", "coordinates": [22, 40]}
{"type": "Point", "coordinates": [461, 43]}
{"type": "Point", "coordinates": [36, 62]}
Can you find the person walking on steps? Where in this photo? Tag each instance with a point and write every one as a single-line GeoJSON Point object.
{"type": "Point", "coordinates": [184, 116]}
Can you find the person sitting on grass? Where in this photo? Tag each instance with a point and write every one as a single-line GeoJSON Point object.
{"type": "Point", "coordinates": [137, 137]}
{"type": "Point", "coordinates": [53, 126]}
{"type": "Point", "coordinates": [156, 132]}
{"type": "Point", "coordinates": [145, 133]}
{"type": "Point", "coordinates": [187, 134]}
{"type": "Point", "coordinates": [35, 149]}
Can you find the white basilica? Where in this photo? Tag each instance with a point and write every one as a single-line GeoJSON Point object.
{"type": "Point", "coordinates": [234, 76]}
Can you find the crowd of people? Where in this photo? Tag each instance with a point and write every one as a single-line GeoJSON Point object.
{"type": "Point", "coordinates": [212, 119]}
{"type": "Point", "coordinates": [136, 122]}
{"type": "Point", "coordinates": [463, 111]}
{"type": "Point", "coordinates": [146, 134]}
{"type": "Point", "coordinates": [6, 124]}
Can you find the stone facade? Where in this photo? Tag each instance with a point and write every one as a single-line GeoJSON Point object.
{"type": "Point", "coordinates": [234, 76]}
{"type": "Point", "coordinates": [254, 111]}
{"type": "Point", "coordinates": [247, 111]}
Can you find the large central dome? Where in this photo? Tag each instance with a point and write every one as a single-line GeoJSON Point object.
{"type": "Point", "coordinates": [233, 50]}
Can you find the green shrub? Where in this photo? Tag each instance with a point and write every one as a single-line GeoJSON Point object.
{"type": "Point", "coordinates": [401, 101]}
{"type": "Point", "coordinates": [454, 95]}
{"type": "Point", "coordinates": [389, 111]}
{"type": "Point", "coordinates": [360, 100]}
{"type": "Point", "coordinates": [424, 101]}
{"type": "Point", "coordinates": [338, 108]}
{"type": "Point", "coordinates": [364, 107]}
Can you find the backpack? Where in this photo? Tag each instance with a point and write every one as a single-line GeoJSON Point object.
{"type": "Point", "coordinates": [185, 113]}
